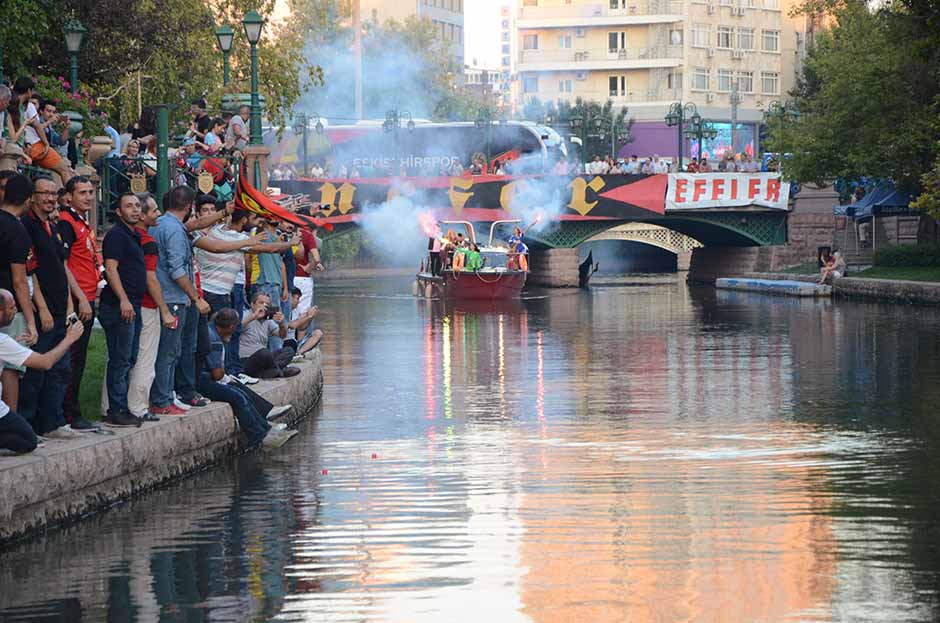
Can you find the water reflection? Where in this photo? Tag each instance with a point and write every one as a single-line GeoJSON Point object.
{"type": "Point", "coordinates": [643, 453]}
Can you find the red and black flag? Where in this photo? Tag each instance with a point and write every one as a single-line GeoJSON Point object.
{"type": "Point", "coordinates": [247, 197]}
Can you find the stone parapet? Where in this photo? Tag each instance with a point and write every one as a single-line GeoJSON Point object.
{"type": "Point", "coordinates": [67, 479]}
{"type": "Point", "coordinates": [894, 290]}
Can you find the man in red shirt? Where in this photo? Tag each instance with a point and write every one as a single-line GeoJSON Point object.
{"type": "Point", "coordinates": [154, 312]}
{"type": "Point", "coordinates": [84, 264]}
{"type": "Point", "coordinates": [308, 261]}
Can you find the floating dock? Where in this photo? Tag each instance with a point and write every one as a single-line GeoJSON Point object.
{"type": "Point", "coordinates": [774, 286]}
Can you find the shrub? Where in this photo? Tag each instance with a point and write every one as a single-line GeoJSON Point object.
{"type": "Point", "coordinates": [58, 90]}
{"type": "Point", "coordinates": [908, 255]}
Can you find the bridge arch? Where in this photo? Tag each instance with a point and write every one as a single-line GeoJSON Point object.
{"type": "Point", "coordinates": [647, 233]}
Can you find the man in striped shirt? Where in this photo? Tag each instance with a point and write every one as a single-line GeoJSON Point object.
{"type": "Point", "coordinates": [218, 271]}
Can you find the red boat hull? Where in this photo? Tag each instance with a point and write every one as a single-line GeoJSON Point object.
{"type": "Point", "coordinates": [472, 286]}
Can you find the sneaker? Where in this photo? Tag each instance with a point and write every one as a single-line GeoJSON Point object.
{"type": "Point", "coordinates": [297, 359]}
{"type": "Point", "coordinates": [277, 438]}
{"type": "Point", "coordinates": [179, 404]}
{"type": "Point", "coordinates": [244, 379]}
{"type": "Point", "coordinates": [170, 409]}
{"type": "Point", "coordinates": [81, 425]}
{"type": "Point", "coordinates": [276, 411]}
{"type": "Point", "coordinates": [280, 426]}
{"type": "Point", "coordinates": [149, 417]}
{"type": "Point", "coordinates": [122, 419]}
{"type": "Point", "coordinates": [198, 401]}
{"type": "Point", "coordinates": [289, 372]}
{"type": "Point", "coordinates": [63, 432]}
{"type": "Point", "coordinates": [40, 441]}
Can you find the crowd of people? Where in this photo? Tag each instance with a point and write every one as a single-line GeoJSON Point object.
{"type": "Point", "coordinates": [168, 287]}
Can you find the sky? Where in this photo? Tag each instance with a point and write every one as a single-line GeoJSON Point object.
{"type": "Point", "coordinates": [481, 32]}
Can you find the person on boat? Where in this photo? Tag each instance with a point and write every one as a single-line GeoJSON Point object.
{"type": "Point", "coordinates": [434, 255]}
{"type": "Point", "coordinates": [519, 256]}
{"type": "Point", "coordinates": [474, 258]}
{"type": "Point", "coordinates": [448, 244]}
{"type": "Point", "coordinates": [460, 253]}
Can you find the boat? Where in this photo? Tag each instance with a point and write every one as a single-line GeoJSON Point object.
{"type": "Point", "coordinates": [497, 280]}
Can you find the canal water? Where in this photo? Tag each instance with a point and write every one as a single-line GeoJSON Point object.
{"type": "Point", "coordinates": [638, 452]}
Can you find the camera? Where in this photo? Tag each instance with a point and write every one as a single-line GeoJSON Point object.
{"type": "Point", "coordinates": [71, 319]}
{"type": "Point", "coordinates": [271, 312]}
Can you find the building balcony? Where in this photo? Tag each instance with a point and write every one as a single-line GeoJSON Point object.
{"type": "Point", "coordinates": [601, 59]}
{"type": "Point", "coordinates": [600, 14]}
{"type": "Point", "coordinates": [647, 96]}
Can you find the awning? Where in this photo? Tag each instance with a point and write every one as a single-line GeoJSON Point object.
{"type": "Point", "coordinates": [884, 198]}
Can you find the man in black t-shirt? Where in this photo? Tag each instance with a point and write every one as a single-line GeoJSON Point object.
{"type": "Point", "coordinates": [119, 310]}
{"type": "Point", "coordinates": [42, 392]}
{"type": "Point", "coordinates": [14, 249]}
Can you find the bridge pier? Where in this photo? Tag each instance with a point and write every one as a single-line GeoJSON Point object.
{"type": "Point", "coordinates": [553, 268]}
{"type": "Point", "coordinates": [683, 259]}
{"type": "Point", "coordinates": [710, 263]}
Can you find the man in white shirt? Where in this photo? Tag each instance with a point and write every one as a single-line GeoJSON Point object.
{"type": "Point", "coordinates": [16, 434]}
{"type": "Point", "coordinates": [236, 136]}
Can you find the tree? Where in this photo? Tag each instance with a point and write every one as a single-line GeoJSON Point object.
{"type": "Point", "coordinates": [599, 126]}
{"type": "Point", "coordinates": [170, 45]}
{"type": "Point", "coordinates": [406, 66]}
{"type": "Point", "coordinates": [868, 96]}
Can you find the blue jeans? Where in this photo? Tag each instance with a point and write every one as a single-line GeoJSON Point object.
{"type": "Point", "coordinates": [233, 364]}
{"type": "Point", "coordinates": [168, 354]}
{"type": "Point", "coordinates": [185, 379]}
{"type": "Point", "coordinates": [252, 423]}
{"type": "Point", "coordinates": [42, 392]}
{"type": "Point", "coordinates": [123, 339]}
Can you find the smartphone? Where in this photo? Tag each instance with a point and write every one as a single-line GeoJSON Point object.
{"type": "Point", "coordinates": [71, 319]}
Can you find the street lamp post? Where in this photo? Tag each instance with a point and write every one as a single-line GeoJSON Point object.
{"type": "Point", "coordinates": [225, 36]}
{"type": "Point", "coordinates": [253, 24]}
{"type": "Point", "coordinates": [700, 129]}
{"type": "Point", "coordinates": [74, 35]}
{"type": "Point", "coordinates": [301, 127]}
{"type": "Point", "coordinates": [678, 114]}
{"type": "Point", "coordinates": [484, 121]}
{"type": "Point", "coordinates": [587, 125]}
{"type": "Point", "coordinates": [392, 123]}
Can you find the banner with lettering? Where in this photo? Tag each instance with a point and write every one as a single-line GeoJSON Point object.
{"type": "Point", "coordinates": [691, 191]}
{"type": "Point", "coordinates": [492, 197]}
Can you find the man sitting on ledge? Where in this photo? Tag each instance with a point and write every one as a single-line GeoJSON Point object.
{"type": "Point", "coordinates": [249, 408]}
{"type": "Point", "coordinates": [259, 323]}
{"type": "Point", "coordinates": [15, 432]}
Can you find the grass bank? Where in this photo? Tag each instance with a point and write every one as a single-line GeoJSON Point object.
{"type": "Point", "coordinates": [90, 398]}
{"type": "Point", "coordinates": [906, 273]}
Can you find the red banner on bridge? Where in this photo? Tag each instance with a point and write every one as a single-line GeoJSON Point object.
{"type": "Point", "coordinates": [690, 191]}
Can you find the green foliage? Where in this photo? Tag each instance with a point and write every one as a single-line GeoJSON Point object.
{"type": "Point", "coordinates": [58, 90]}
{"type": "Point", "coordinates": [570, 118]}
{"type": "Point", "coordinates": [169, 45]}
{"type": "Point", "coordinates": [867, 97]}
{"type": "Point", "coordinates": [929, 198]}
{"type": "Point", "coordinates": [21, 32]}
{"type": "Point", "coordinates": [908, 255]}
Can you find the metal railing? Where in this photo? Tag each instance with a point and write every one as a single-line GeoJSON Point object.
{"type": "Point", "coordinates": [122, 174]}
{"type": "Point", "coordinates": [587, 12]}
{"type": "Point", "coordinates": [594, 55]}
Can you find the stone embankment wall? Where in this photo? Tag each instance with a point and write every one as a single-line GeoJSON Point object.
{"type": "Point", "coordinates": [67, 479]}
{"type": "Point", "coordinates": [894, 290]}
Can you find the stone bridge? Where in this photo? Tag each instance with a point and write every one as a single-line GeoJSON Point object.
{"type": "Point", "coordinates": [716, 211]}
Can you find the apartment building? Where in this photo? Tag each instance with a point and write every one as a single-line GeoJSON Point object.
{"type": "Point", "coordinates": [647, 54]}
{"type": "Point", "coordinates": [446, 15]}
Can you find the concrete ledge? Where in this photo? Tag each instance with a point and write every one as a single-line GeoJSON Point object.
{"type": "Point", "coordinates": [774, 286]}
{"type": "Point", "coordinates": [66, 479]}
{"type": "Point", "coordinates": [895, 290]}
